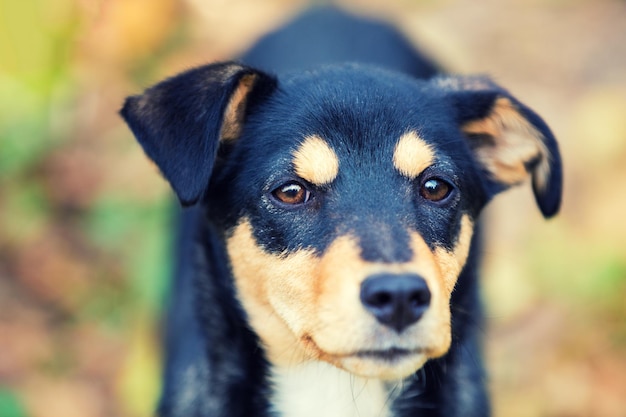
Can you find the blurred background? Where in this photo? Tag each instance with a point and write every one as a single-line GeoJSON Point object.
{"type": "Point", "coordinates": [85, 219]}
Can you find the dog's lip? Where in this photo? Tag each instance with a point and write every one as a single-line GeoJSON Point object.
{"type": "Point", "coordinates": [390, 354]}
{"type": "Point", "coordinates": [387, 355]}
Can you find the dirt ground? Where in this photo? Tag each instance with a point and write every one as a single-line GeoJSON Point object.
{"type": "Point", "coordinates": [84, 216]}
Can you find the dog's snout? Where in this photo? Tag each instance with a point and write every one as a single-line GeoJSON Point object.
{"type": "Point", "coordinates": [396, 300]}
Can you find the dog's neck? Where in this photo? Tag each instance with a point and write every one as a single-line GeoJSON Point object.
{"type": "Point", "coordinates": [316, 389]}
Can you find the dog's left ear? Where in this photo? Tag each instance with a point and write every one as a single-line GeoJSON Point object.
{"type": "Point", "coordinates": [181, 122]}
{"type": "Point", "coordinates": [509, 140]}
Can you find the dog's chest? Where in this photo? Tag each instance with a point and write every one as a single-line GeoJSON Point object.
{"type": "Point", "coordinates": [317, 389]}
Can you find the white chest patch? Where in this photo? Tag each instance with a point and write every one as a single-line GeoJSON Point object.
{"type": "Point", "coordinates": [318, 389]}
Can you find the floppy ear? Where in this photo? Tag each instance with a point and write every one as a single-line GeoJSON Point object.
{"type": "Point", "coordinates": [181, 121]}
{"type": "Point", "coordinates": [509, 141]}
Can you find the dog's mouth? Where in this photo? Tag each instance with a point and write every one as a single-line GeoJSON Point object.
{"type": "Point", "coordinates": [391, 363]}
{"type": "Point", "coordinates": [388, 364]}
{"type": "Point", "coordinates": [387, 355]}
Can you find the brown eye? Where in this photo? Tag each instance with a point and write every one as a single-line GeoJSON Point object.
{"type": "Point", "coordinates": [435, 189]}
{"type": "Point", "coordinates": [292, 193]}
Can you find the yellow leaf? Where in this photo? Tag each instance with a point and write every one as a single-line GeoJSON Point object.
{"type": "Point", "coordinates": [139, 381]}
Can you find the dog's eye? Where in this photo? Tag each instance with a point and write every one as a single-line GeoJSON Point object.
{"type": "Point", "coordinates": [292, 193]}
{"type": "Point", "coordinates": [435, 189]}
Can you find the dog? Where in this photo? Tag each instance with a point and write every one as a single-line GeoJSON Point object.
{"type": "Point", "coordinates": [327, 260]}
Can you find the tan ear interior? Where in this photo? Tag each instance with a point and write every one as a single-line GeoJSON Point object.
{"type": "Point", "coordinates": [507, 145]}
{"type": "Point", "coordinates": [236, 109]}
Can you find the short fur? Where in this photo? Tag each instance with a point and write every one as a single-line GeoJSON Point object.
{"type": "Point", "coordinates": [328, 265]}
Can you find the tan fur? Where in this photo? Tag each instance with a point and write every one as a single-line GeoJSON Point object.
{"type": "Point", "coordinates": [236, 108]}
{"type": "Point", "coordinates": [516, 142]}
{"type": "Point", "coordinates": [256, 275]}
{"type": "Point", "coordinates": [412, 155]}
{"type": "Point", "coordinates": [452, 262]}
{"type": "Point", "coordinates": [315, 161]}
{"type": "Point", "coordinates": [307, 307]}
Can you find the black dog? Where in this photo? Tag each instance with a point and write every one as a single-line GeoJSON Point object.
{"type": "Point", "coordinates": [329, 268]}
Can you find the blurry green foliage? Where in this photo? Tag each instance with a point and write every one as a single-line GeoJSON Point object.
{"type": "Point", "coordinates": [23, 126]}
{"type": "Point", "coordinates": [36, 41]}
{"type": "Point", "coordinates": [119, 245]}
{"type": "Point", "coordinates": [26, 212]}
{"type": "Point", "coordinates": [138, 234]}
{"type": "Point", "coordinates": [10, 405]}
{"type": "Point", "coordinates": [602, 275]}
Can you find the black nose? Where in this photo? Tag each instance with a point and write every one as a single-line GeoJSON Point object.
{"type": "Point", "coordinates": [395, 300]}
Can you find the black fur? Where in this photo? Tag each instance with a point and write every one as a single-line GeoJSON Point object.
{"type": "Point", "coordinates": [214, 363]}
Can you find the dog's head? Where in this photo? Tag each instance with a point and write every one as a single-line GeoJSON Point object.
{"type": "Point", "coordinates": [347, 197]}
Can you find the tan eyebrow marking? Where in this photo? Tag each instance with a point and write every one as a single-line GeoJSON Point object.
{"type": "Point", "coordinates": [412, 155]}
{"type": "Point", "coordinates": [315, 161]}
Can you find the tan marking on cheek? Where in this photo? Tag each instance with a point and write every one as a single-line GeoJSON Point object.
{"type": "Point", "coordinates": [315, 161]}
{"type": "Point", "coordinates": [412, 155]}
{"type": "Point", "coordinates": [234, 114]}
{"type": "Point", "coordinates": [452, 262]}
{"type": "Point", "coordinates": [515, 143]}
{"type": "Point", "coordinates": [276, 293]}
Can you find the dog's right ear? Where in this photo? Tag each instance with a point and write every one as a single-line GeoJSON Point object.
{"type": "Point", "coordinates": [508, 139]}
{"type": "Point", "coordinates": [181, 121]}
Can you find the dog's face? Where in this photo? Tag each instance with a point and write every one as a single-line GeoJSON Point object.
{"type": "Point", "coordinates": [353, 221]}
{"type": "Point", "coordinates": [347, 198]}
